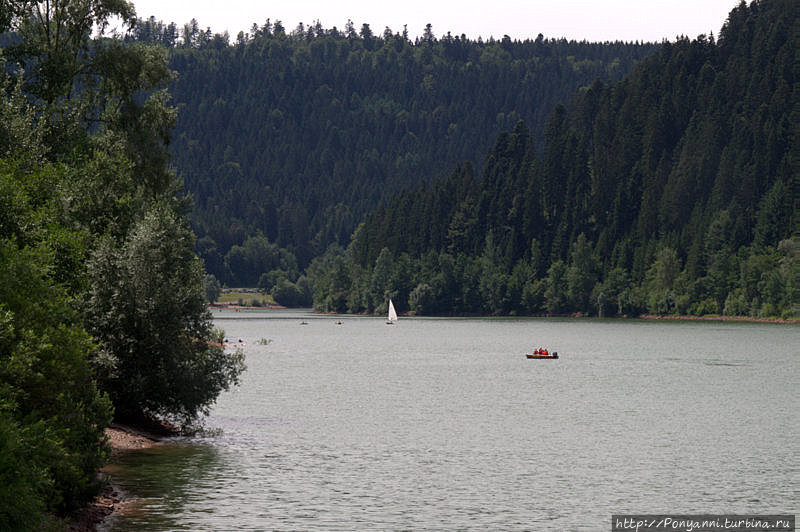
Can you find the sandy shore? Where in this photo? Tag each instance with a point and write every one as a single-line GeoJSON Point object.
{"type": "Point", "coordinates": [125, 438]}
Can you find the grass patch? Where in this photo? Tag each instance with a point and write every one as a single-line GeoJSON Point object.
{"type": "Point", "coordinates": [245, 298]}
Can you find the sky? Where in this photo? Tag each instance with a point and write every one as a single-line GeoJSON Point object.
{"type": "Point", "coordinates": [592, 20]}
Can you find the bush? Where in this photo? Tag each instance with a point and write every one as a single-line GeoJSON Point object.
{"type": "Point", "coordinates": [768, 310]}
{"type": "Point", "coordinates": [421, 298]}
{"type": "Point", "coordinates": [286, 293]}
{"type": "Point", "coordinates": [705, 307]}
{"type": "Point", "coordinates": [533, 299]}
{"type": "Point", "coordinates": [735, 304]}
{"type": "Point", "coordinates": [267, 281]}
{"type": "Point", "coordinates": [20, 479]}
{"type": "Point", "coordinates": [52, 415]}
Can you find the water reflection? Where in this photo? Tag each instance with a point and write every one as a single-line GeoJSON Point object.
{"type": "Point", "coordinates": [165, 481]}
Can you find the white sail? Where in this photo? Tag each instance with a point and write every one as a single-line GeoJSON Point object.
{"type": "Point", "coordinates": [392, 313]}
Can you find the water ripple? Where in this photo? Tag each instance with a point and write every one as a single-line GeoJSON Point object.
{"type": "Point", "coordinates": [443, 424]}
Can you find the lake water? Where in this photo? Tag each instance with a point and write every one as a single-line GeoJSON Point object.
{"type": "Point", "coordinates": [444, 424]}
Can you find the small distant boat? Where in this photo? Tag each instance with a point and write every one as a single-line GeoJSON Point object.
{"type": "Point", "coordinates": [304, 322]}
{"type": "Point", "coordinates": [392, 318]}
{"type": "Point", "coordinates": [338, 322]}
{"type": "Point", "coordinates": [552, 355]}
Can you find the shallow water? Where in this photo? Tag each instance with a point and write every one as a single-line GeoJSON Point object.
{"type": "Point", "coordinates": [443, 424]}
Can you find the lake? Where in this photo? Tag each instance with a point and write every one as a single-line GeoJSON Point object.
{"type": "Point", "coordinates": [444, 424]}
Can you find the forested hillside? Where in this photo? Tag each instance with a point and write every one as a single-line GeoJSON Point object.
{"type": "Point", "coordinates": [672, 191]}
{"type": "Point", "coordinates": [296, 135]}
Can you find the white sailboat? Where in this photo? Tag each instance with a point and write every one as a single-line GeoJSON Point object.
{"type": "Point", "coordinates": [392, 319]}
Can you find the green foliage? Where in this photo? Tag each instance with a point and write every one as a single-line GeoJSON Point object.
{"type": "Point", "coordinates": [268, 280]}
{"type": "Point", "coordinates": [667, 192]}
{"type": "Point", "coordinates": [21, 133]}
{"type": "Point", "coordinates": [255, 257]}
{"type": "Point", "coordinates": [421, 298]}
{"type": "Point", "coordinates": [289, 294]}
{"type": "Point", "coordinates": [296, 136]}
{"type": "Point", "coordinates": [84, 175]}
{"type": "Point", "coordinates": [56, 40]}
{"type": "Point", "coordinates": [147, 308]}
{"type": "Point", "coordinates": [52, 415]}
{"type": "Point", "coordinates": [109, 124]}
{"type": "Point", "coordinates": [614, 294]}
{"type": "Point", "coordinates": [556, 287]}
{"type": "Point", "coordinates": [20, 477]}
{"type": "Point", "coordinates": [661, 278]}
{"type": "Point", "coordinates": [581, 275]}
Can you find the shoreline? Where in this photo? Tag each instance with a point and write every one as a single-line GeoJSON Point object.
{"type": "Point", "coordinates": [743, 319]}
{"type": "Point", "coordinates": [127, 438]}
{"type": "Point", "coordinates": [121, 438]}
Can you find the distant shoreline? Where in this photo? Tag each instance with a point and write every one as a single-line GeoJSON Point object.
{"type": "Point", "coordinates": [744, 319]}
{"type": "Point", "coordinates": [234, 306]}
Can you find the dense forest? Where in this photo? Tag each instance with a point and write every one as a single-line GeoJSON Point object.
{"type": "Point", "coordinates": [295, 135]}
{"type": "Point", "coordinates": [672, 191]}
{"type": "Point", "coordinates": [102, 308]}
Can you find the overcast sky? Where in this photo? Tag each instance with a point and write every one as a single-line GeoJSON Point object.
{"type": "Point", "coordinates": [593, 20]}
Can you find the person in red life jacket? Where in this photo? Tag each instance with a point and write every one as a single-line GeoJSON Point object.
{"type": "Point", "coordinates": [544, 352]}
